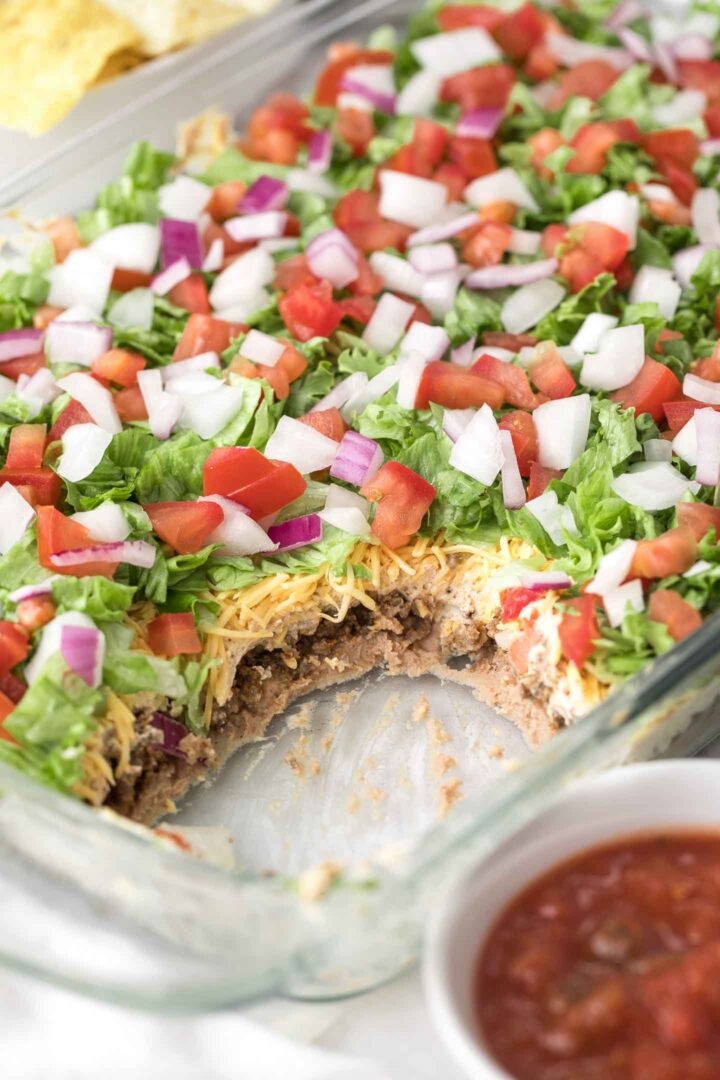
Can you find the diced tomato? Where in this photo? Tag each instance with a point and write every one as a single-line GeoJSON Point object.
{"type": "Point", "coordinates": [355, 207]}
{"type": "Point", "coordinates": [130, 405]}
{"type": "Point", "coordinates": [520, 31]}
{"type": "Point", "coordinates": [403, 499]}
{"type": "Point", "coordinates": [514, 600]}
{"type": "Point", "coordinates": [276, 376]}
{"type": "Point", "coordinates": [310, 311]}
{"type": "Point", "coordinates": [580, 269]}
{"type": "Point", "coordinates": [540, 477]}
{"type": "Point", "coordinates": [475, 157]}
{"type": "Point", "coordinates": [119, 366]}
{"type": "Point", "coordinates": [701, 75]}
{"type": "Point", "coordinates": [328, 422]}
{"type": "Point", "coordinates": [64, 236]}
{"type": "Point", "coordinates": [550, 373]}
{"type": "Point", "coordinates": [204, 333]}
{"type": "Point", "coordinates": [359, 308]}
{"type": "Point", "coordinates": [125, 280]}
{"type": "Point", "coordinates": [356, 128]}
{"type": "Point", "coordinates": [588, 250]}
{"type": "Point", "coordinates": [457, 16]}
{"type": "Point", "coordinates": [13, 687]}
{"type": "Point", "coordinates": [327, 87]}
{"type": "Point", "coordinates": [624, 274]}
{"type": "Point", "coordinates": [591, 144]}
{"type": "Point", "coordinates": [681, 181]}
{"type": "Point", "coordinates": [521, 647]}
{"type": "Point", "coordinates": [277, 129]}
{"type": "Point", "coordinates": [541, 63]}
{"type": "Point", "coordinates": [524, 436]}
{"type": "Point", "coordinates": [554, 237]}
{"type": "Point", "coordinates": [56, 533]}
{"type": "Point", "coordinates": [429, 143]}
{"type": "Point", "coordinates": [23, 365]}
{"type": "Point", "coordinates": [229, 467]}
{"type": "Point", "coordinates": [699, 518]}
{"type": "Point", "coordinates": [542, 143]}
{"type": "Point", "coordinates": [73, 413]}
{"type": "Point", "coordinates": [357, 214]}
{"type": "Point", "coordinates": [191, 294]}
{"type": "Point", "coordinates": [455, 387]}
{"type": "Point", "coordinates": [579, 630]}
{"type": "Point", "coordinates": [653, 386]}
{"type": "Point", "coordinates": [487, 244]}
{"type": "Point", "coordinates": [293, 272]}
{"type": "Point", "coordinates": [499, 339]}
{"type": "Point", "coordinates": [13, 645]}
{"type": "Point", "coordinates": [511, 378]}
{"type": "Point", "coordinates": [403, 160]}
{"type": "Point", "coordinates": [271, 493]}
{"type": "Point", "coordinates": [367, 283]}
{"type": "Point", "coordinates": [453, 178]}
{"type": "Point", "coordinates": [666, 335]}
{"type": "Point", "coordinates": [26, 447]}
{"type": "Point", "coordinates": [485, 87]}
{"type": "Point", "coordinates": [42, 487]}
{"type": "Point", "coordinates": [291, 361]}
{"type": "Point", "coordinates": [711, 116]}
{"type": "Point", "coordinates": [679, 145]}
{"type": "Point", "coordinates": [35, 612]}
{"type": "Point", "coordinates": [174, 634]}
{"type": "Point", "coordinates": [673, 552]}
{"type": "Point", "coordinates": [708, 368]}
{"type": "Point", "coordinates": [185, 526]}
{"type": "Point", "coordinates": [44, 315]}
{"type": "Point", "coordinates": [678, 412]}
{"type": "Point", "coordinates": [225, 200]}
{"type": "Point", "coordinates": [277, 146]}
{"type": "Point", "coordinates": [591, 79]}
{"type": "Point", "coordinates": [680, 617]}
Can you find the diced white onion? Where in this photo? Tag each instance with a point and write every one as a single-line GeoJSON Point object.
{"type": "Point", "coordinates": [684, 445]}
{"type": "Point", "coordinates": [620, 356]}
{"type": "Point", "coordinates": [243, 278]}
{"type": "Point", "coordinates": [657, 486]}
{"type": "Point", "coordinates": [456, 51]}
{"type": "Point", "coordinates": [347, 518]}
{"type": "Point", "coordinates": [613, 568]}
{"type": "Point", "coordinates": [134, 246]}
{"type": "Point", "coordinates": [133, 310]}
{"type": "Point", "coordinates": [387, 323]}
{"type": "Point", "coordinates": [419, 94]}
{"type": "Point", "coordinates": [529, 304]}
{"type": "Point", "coordinates": [411, 200]}
{"type": "Point", "coordinates": [308, 450]}
{"type": "Point", "coordinates": [524, 242]}
{"type": "Point", "coordinates": [705, 210]}
{"type": "Point", "coordinates": [432, 342]}
{"type": "Point", "coordinates": [397, 273]}
{"type": "Point", "coordinates": [106, 523]}
{"type": "Point", "coordinates": [162, 408]}
{"type": "Point", "coordinates": [478, 451]}
{"type": "Point", "coordinates": [592, 331]}
{"type": "Point", "coordinates": [504, 185]}
{"type": "Point", "coordinates": [562, 428]}
{"type": "Point", "coordinates": [340, 498]}
{"type": "Point", "coordinates": [262, 348]}
{"type": "Point", "coordinates": [657, 450]}
{"type": "Point", "coordinates": [83, 446]}
{"type": "Point", "coordinates": [618, 600]}
{"type": "Point", "coordinates": [183, 198]}
{"type": "Point", "coordinates": [512, 486]}
{"type": "Point", "coordinates": [310, 182]}
{"type": "Point", "coordinates": [83, 278]}
{"type": "Point", "coordinates": [654, 284]}
{"type": "Point", "coordinates": [179, 368]}
{"type": "Point", "coordinates": [237, 534]}
{"type": "Point", "coordinates": [215, 254]}
{"type": "Point", "coordinates": [97, 400]}
{"type": "Point", "coordinates": [707, 429]}
{"type": "Point", "coordinates": [615, 208]}
{"type": "Point", "coordinates": [375, 388]}
{"type": "Point", "coordinates": [553, 517]}
{"type": "Point", "coordinates": [701, 389]}
{"type": "Point", "coordinates": [687, 105]}
{"type": "Point", "coordinates": [16, 513]}
{"type": "Point", "coordinates": [208, 404]}
{"type": "Point", "coordinates": [410, 367]}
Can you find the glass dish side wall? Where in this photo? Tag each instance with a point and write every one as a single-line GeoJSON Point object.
{"type": "Point", "coordinates": [100, 909]}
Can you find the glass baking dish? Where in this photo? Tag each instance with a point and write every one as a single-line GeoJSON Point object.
{"type": "Point", "coordinates": [359, 794]}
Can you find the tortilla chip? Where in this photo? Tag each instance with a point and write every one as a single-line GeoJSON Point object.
{"type": "Point", "coordinates": [52, 51]}
{"type": "Point", "coordinates": [169, 24]}
{"type": "Point", "coordinates": [118, 64]}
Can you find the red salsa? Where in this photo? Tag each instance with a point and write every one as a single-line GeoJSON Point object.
{"type": "Point", "coordinates": [608, 966]}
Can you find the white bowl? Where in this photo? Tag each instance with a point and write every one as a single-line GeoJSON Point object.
{"type": "Point", "coordinates": [635, 798]}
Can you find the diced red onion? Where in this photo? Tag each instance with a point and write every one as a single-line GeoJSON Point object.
{"type": "Point", "coordinates": [173, 733]}
{"type": "Point", "coordinates": [541, 581]}
{"type": "Point", "coordinates": [320, 150]}
{"type": "Point", "coordinates": [524, 242]}
{"type": "Point", "coordinates": [512, 486]}
{"type": "Point", "coordinates": [592, 331]}
{"type": "Point", "coordinates": [16, 513]}
{"type": "Point", "coordinates": [701, 389]}
{"type": "Point", "coordinates": [387, 323]}
{"type": "Point", "coordinates": [167, 279]}
{"type": "Point", "coordinates": [27, 592]}
{"type": "Point", "coordinates": [14, 343]}
{"type": "Point", "coordinates": [478, 450]}
{"type": "Point", "coordinates": [183, 198]}
{"type": "Point", "coordinates": [411, 200]}
{"type": "Point", "coordinates": [431, 342]}
{"type": "Point", "coordinates": [358, 459]}
{"type": "Point", "coordinates": [636, 45]}
{"type": "Point", "coordinates": [504, 185]}
{"type": "Point", "coordinates": [308, 450]}
{"type": "Point", "coordinates": [49, 643]}
{"type": "Point", "coordinates": [97, 400]}
{"type": "Point", "coordinates": [297, 532]}
{"type": "Point", "coordinates": [455, 51]}
{"type": "Point", "coordinates": [613, 568]}
{"type": "Point", "coordinates": [83, 448]}
{"type": "Point", "coordinates": [693, 47]}
{"type": "Point", "coordinates": [106, 523]}
{"type": "Point", "coordinates": [237, 534]}
{"type": "Point", "coordinates": [132, 552]}
{"type": "Point", "coordinates": [504, 274]}
{"type": "Point", "coordinates": [397, 273]}
{"type": "Point", "coordinates": [707, 427]}
{"type": "Point", "coordinates": [419, 94]}
{"type": "Point", "coordinates": [710, 147]}
{"type": "Point", "coordinates": [615, 208]}
{"type": "Point", "coordinates": [243, 279]}
{"type": "Point", "coordinates": [341, 393]}
{"type": "Point", "coordinates": [479, 123]}
{"type": "Point", "coordinates": [570, 51]}
{"type": "Point", "coordinates": [619, 357]}
{"type": "Point", "coordinates": [257, 226]}
{"type": "Point", "coordinates": [262, 348]}
{"type": "Point", "coordinates": [686, 262]}
{"type": "Point", "coordinates": [373, 83]}
{"type": "Point", "coordinates": [83, 650]}
{"type": "Point", "coordinates": [214, 258]}
{"type": "Point", "coordinates": [705, 210]}
{"type": "Point", "coordinates": [76, 342]}
{"type": "Point", "coordinates": [332, 256]}
{"type": "Point", "coordinates": [529, 304]}
{"type": "Point", "coordinates": [617, 601]}
{"type": "Point", "coordinates": [266, 193]}
{"type": "Point", "coordinates": [657, 485]}
{"type": "Point", "coordinates": [562, 429]}
{"type": "Point", "coordinates": [433, 258]}
{"type": "Point", "coordinates": [179, 239]}
{"type": "Point", "coordinates": [443, 230]}
{"type": "Point", "coordinates": [625, 12]}
{"type": "Point", "coordinates": [132, 310]}
{"type": "Point", "coordinates": [455, 421]}
{"type": "Point", "coordinates": [463, 354]}
{"type": "Point", "coordinates": [83, 278]}
{"type": "Point", "coordinates": [657, 285]}
{"type": "Point", "coordinates": [134, 246]}
{"type": "Point", "coordinates": [163, 410]}
{"type": "Point", "coordinates": [665, 60]}
{"type": "Point", "coordinates": [376, 388]}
